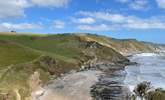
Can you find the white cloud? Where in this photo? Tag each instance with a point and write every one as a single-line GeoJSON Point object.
{"type": "Point", "coordinates": [122, 1]}
{"type": "Point", "coordinates": [86, 20]}
{"type": "Point", "coordinates": [18, 26]}
{"type": "Point", "coordinates": [58, 24]}
{"type": "Point", "coordinates": [10, 8]}
{"type": "Point", "coordinates": [145, 24]}
{"type": "Point", "coordinates": [139, 5]}
{"type": "Point", "coordinates": [161, 3]}
{"type": "Point", "coordinates": [101, 27]}
{"type": "Point", "coordinates": [50, 3]}
{"type": "Point", "coordinates": [16, 8]}
{"type": "Point", "coordinates": [135, 4]}
{"type": "Point", "coordinates": [111, 21]}
{"type": "Point", "coordinates": [103, 15]}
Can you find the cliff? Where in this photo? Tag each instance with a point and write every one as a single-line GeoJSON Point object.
{"type": "Point", "coordinates": [30, 61]}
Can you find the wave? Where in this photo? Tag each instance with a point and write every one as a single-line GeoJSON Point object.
{"type": "Point", "coordinates": [147, 54]}
{"type": "Point", "coordinates": [151, 67]}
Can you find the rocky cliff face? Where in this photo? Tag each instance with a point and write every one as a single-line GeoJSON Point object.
{"type": "Point", "coordinates": [124, 46]}
{"type": "Point", "coordinates": [31, 61]}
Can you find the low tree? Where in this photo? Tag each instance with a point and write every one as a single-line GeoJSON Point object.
{"type": "Point", "coordinates": [141, 89]}
{"type": "Point", "coordinates": [145, 91]}
{"type": "Point", "coordinates": [13, 31]}
{"type": "Point", "coordinates": [157, 94]}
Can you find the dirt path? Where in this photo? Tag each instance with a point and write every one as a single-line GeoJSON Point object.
{"type": "Point", "coordinates": [18, 96]}
{"type": "Point", "coordinates": [75, 86]}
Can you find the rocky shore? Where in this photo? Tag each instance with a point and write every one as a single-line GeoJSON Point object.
{"type": "Point", "coordinates": [99, 81]}
{"type": "Point", "coordinates": [110, 85]}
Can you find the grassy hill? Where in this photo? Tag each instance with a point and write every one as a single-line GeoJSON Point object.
{"type": "Point", "coordinates": [124, 46]}
{"type": "Point", "coordinates": [24, 55]}
{"type": "Point", "coordinates": [12, 53]}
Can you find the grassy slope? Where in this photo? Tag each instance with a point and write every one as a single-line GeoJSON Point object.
{"type": "Point", "coordinates": [19, 57]}
{"type": "Point", "coordinates": [62, 52]}
{"type": "Point", "coordinates": [63, 46]}
{"type": "Point", "coordinates": [53, 45]}
{"type": "Point", "coordinates": [123, 46]}
{"type": "Point", "coordinates": [11, 53]}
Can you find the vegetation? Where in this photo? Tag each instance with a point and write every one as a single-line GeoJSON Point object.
{"type": "Point", "coordinates": [141, 89]}
{"type": "Point", "coordinates": [124, 45]}
{"type": "Point", "coordinates": [145, 92]}
{"type": "Point", "coordinates": [157, 94]}
{"type": "Point", "coordinates": [12, 53]}
{"type": "Point", "coordinates": [22, 55]}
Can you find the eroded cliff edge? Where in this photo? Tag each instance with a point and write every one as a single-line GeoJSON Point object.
{"type": "Point", "coordinates": [30, 61]}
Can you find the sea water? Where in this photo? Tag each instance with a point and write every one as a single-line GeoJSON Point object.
{"type": "Point", "coordinates": [150, 67]}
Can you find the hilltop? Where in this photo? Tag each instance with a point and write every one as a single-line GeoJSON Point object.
{"type": "Point", "coordinates": [28, 61]}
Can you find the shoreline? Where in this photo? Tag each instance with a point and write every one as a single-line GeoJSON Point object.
{"type": "Point", "coordinates": [102, 79]}
{"type": "Point", "coordinates": [107, 83]}
{"type": "Point", "coordinates": [71, 86]}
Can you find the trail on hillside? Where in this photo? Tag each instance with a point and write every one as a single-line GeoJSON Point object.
{"type": "Point", "coordinates": [75, 86]}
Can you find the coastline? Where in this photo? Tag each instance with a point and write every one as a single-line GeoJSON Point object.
{"type": "Point", "coordinates": [107, 83]}
{"type": "Point", "coordinates": [73, 84]}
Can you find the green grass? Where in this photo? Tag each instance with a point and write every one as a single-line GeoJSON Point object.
{"type": "Point", "coordinates": [122, 44]}
{"type": "Point", "coordinates": [23, 54]}
{"type": "Point", "coordinates": [56, 45]}
{"type": "Point", "coordinates": [11, 54]}
{"type": "Point", "coordinates": [158, 94]}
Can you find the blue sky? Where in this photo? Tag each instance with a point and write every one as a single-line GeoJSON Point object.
{"type": "Point", "coordinates": [140, 19]}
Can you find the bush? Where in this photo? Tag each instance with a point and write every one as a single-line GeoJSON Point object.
{"type": "Point", "coordinates": [144, 91]}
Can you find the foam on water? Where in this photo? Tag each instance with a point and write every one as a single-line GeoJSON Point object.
{"type": "Point", "coordinates": [146, 54]}
{"type": "Point", "coordinates": [151, 67]}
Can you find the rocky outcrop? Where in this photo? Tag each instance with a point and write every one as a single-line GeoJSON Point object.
{"type": "Point", "coordinates": [123, 46]}
{"type": "Point", "coordinates": [48, 63]}
{"type": "Point", "coordinates": [35, 81]}
{"type": "Point", "coordinates": [62, 54]}
{"type": "Point", "coordinates": [110, 85]}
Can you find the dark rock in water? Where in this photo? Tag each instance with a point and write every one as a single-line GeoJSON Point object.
{"type": "Point", "coordinates": [110, 92]}
{"type": "Point", "coordinates": [110, 85]}
{"type": "Point", "coordinates": [132, 63]}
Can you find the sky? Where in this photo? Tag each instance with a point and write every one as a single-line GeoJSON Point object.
{"type": "Point", "coordinates": [140, 19]}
